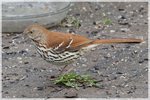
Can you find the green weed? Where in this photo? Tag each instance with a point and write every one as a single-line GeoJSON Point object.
{"type": "Point", "coordinates": [71, 22]}
{"type": "Point", "coordinates": [75, 81]}
{"type": "Point", "coordinates": [107, 21]}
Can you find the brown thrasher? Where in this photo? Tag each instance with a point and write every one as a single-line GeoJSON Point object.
{"type": "Point", "coordinates": [63, 48]}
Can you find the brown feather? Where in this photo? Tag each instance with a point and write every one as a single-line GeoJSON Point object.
{"type": "Point", "coordinates": [118, 40]}
{"type": "Point", "coordinates": [63, 40]}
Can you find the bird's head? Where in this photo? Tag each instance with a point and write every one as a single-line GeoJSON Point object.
{"type": "Point", "coordinates": [35, 32]}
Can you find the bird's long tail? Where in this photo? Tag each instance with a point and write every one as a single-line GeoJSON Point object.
{"type": "Point", "coordinates": [117, 40]}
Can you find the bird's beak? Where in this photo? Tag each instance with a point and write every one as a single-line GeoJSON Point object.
{"type": "Point", "coordinates": [25, 31]}
{"type": "Point", "coordinates": [25, 34]}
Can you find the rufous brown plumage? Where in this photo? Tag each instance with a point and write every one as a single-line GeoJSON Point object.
{"type": "Point", "coordinates": [63, 48]}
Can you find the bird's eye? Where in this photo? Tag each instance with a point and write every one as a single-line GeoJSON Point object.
{"type": "Point", "coordinates": [32, 31]}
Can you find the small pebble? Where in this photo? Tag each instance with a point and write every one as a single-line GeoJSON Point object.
{"type": "Point", "coordinates": [6, 47]}
{"type": "Point", "coordinates": [95, 59]}
{"type": "Point", "coordinates": [124, 29]}
{"type": "Point", "coordinates": [121, 9]}
{"type": "Point", "coordinates": [122, 77]}
{"type": "Point", "coordinates": [112, 31]}
{"type": "Point", "coordinates": [35, 69]}
{"type": "Point", "coordinates": [83, 60]}
{"type": "Point", "coordinates": [11, 53]}
{"type": "Point", "coordinates": [40, 88]}
{"type": "Point", "coordinates": [121, 17]}
{"type": "Point", "coordinates": [26, 62]}
{"type": "Point", "coordinates": [119, 73]}
{"type": "Point", "coordinates": [27, 85]}
{"type": "Point", "coordinates": [23, 52]}
{"type": "Point", "coordinates": [77, 14]}
{"type": "Point", "coordinates": [52, 76]}
{"type": "Point", "coordinates": [14, 66]}
{"type": "Point", "coordinates": [23, 95]}
{"type": "Point", "coordinates": [93, 49]}
{"type": "Point", "coordinates": [108, 92]}
{"type": "Point", "coordinates": [91, 16]}
{"type": "Point", "coordinates": [71, 93]}
{"type": "Point", "coordinates": [22, 78]}
{"type": "Point", "coordinates": [27, 49]}
{"type": "Point", "coordinates": [117, 95]}
{"type": "Point", "coordinates": [20, 61]}
{"type": "Point", "coordinates": [122, 60]}
{"type": "Point", "coordinates": [109, 13]}
{"type": "Point", "coordinates": [84, 8]}
{"type": "Point", "coordinates": [6, 92]}
{"type": "Point", "coordinates": [84, 65]}
{"type": "Point", "coordinates": [19, 58]}
{"type": "Point", "coordinates": [103, 14]}
{"type": "Point", "coordinates": [141, 61]}
{"type": "Point", "coordinates": [94, 23]}
{"type": "Point", "coordinates": [96, 67]}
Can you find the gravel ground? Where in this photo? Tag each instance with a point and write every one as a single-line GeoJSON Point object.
{"type": "Point", "coordinates": [122, 69]}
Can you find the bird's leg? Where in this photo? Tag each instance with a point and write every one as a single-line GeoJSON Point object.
{"type": "Point", "coordinates": [60, 73]}
{"type": "Point", "coordinates": [67, 71]}
{"type": "Point", "coordinates": [62, 70]}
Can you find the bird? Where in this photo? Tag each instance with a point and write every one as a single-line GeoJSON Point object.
{"type": "Point", "coordinates": [63, 49]}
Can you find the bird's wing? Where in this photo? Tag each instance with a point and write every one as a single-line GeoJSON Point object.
{"type": "Point", "coordinates": [62, 41]}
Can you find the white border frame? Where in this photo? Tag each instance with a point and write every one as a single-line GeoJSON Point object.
{"type": "Point", "coordinates": [74, 1]}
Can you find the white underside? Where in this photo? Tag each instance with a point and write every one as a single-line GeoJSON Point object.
{"type": "Point", "coordinates": [67, 56]}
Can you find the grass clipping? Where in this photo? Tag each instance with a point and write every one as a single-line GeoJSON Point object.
{"type": "Point", "coordinates": [71, 21]}
{"type": "Point", "coordinates": [75, 81]}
